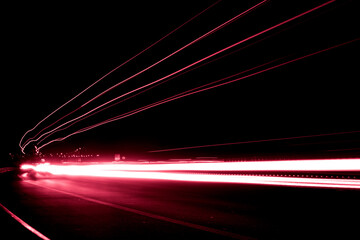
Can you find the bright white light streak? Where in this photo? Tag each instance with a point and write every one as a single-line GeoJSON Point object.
{"type": "Point", "coordinates": [287, 165]}
{"type": "Point", "coordinates": [211, 178]}
{"type": "Point", "coordinates": [157, 171]}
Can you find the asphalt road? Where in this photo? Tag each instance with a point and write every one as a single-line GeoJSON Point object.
{"type": "Point", "coordinates": [105, 208]}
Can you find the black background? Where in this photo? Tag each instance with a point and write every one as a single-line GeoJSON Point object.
{"type": "Point", "coordinates": [53, 51]}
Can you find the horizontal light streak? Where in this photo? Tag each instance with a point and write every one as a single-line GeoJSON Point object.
{"type": "Point", "coordinates": [273, 165]}
{"type": "Point", "coordinates": [158, 171]}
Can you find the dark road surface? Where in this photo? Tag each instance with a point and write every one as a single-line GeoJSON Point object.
{"type": "Point", "coordinates": [105, 208]}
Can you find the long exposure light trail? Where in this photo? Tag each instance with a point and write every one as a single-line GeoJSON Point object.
{"type": "Point", "coordinates": [84, 116]}
{"type": "Point", "coordinates": [210, 56]}
{"type": "Point", "coordinates": [345, 164]}
{"type": "Point", "coordinates": [107, 74]}
{"type": "Point", "coordinates": [147, 68]}
{"type": "Point", "coordinates": [177, 51]}
{"type": "Point", "coordinates": [161, 171]}
{"type": "Point", "coordinates": [194, 91]}
{"type": "Point", "coordinates": [26, 225]}
{"type": "Point", "coordinates": [253, 141]}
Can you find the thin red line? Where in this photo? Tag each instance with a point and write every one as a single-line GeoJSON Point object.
{"type": "Point", "coordinates": [151, 215]}
{"type": "Point", "coordinates": [253, 141]}
{"type": "Point", "coordinates": [175, 52]}
{"type": "Point", "coordinates": [193, 91]}
{"type": "Point", "coordinates": [199, 61]}
{"type": "Point", "coordinates": [84, 117]}
{"type": "Point", "coordinates": [106, 76]}
{"type": "Point", "coordinates": [147, 68]}
{"type": "Point", "coordinates": [27, 226]}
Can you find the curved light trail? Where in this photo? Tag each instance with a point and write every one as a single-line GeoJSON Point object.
{"type": "Point", "coordinates": [203, 59]}
{"type": "Point", "coordinates": [104, 76]}
{"type": "Point", "coordinates": [194, 91]}
{"type": "Point", "coordinates": [84, 116]}
{"type": "Point", "coordinates": [149, 67]}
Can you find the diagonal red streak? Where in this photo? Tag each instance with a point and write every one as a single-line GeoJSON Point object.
{"type": "Point", "coordinates": [22, 222]}
{"type": "Point", "coordinates": [151, 215]}
{"type": "Point", "coordinates": [193, 64]}
{"type": "Point", "coordinates": [194, 91]}
{"type": "Point", "coordinates": [100, 79]}
{"type": "Point", "coordinates": [81, 119]}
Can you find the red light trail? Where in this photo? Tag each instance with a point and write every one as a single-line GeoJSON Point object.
{"type": "Point", "coordinates": [26, 225]}
{"type": "Point", "coordinates": [104, 76]}
{"type": "Point", "coordinates": [202, 172]}
{"type": "Point", "coordinates": [138, 73]}
{"type": "Point", "coordinates": [186, 163]}
{"type": "Point", "coordinates": [199, 61]}
{"type": "Point", "coordinates": [252, 141]}
{"type": "Point", "coordinates": [343, 165]}
{"type": "Point", "coordinates": [82, 117]}
{"type": "Point", "coordinates": [198, 90]}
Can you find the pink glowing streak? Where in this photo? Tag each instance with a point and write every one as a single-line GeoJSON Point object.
{"type": "Point", "coordinates": [197, 62]}
{"type": "Point", "coordinates": [177, 51]}
{"type": "Point", "coordinates": [33, 139]}
{"type": "Point", "coordinates": [22, 222]}
{"type": "Point", "coordinates": [82, 117]}
{"type": "Point", "coordinates": [130, 59]}
{"type": "Point", "coordinates": [336, 165]}
{"type": "Point", "coordinates": [193, 91]}
{"type": "Point", "coordinates": [254, 141]}
{"type": "Point", "coordinates": [91, 113]}
{"type": "Point", "coordinates": [157, 171]}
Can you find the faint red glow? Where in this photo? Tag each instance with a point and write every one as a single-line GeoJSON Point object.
{"type": "Point", "coordinates": [163, 171]}
{"type": "Point", "coordinates": [256, 141]}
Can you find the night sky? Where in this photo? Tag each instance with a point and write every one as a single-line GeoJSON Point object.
{"type": "Point", "coordinates": [54, 51]}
